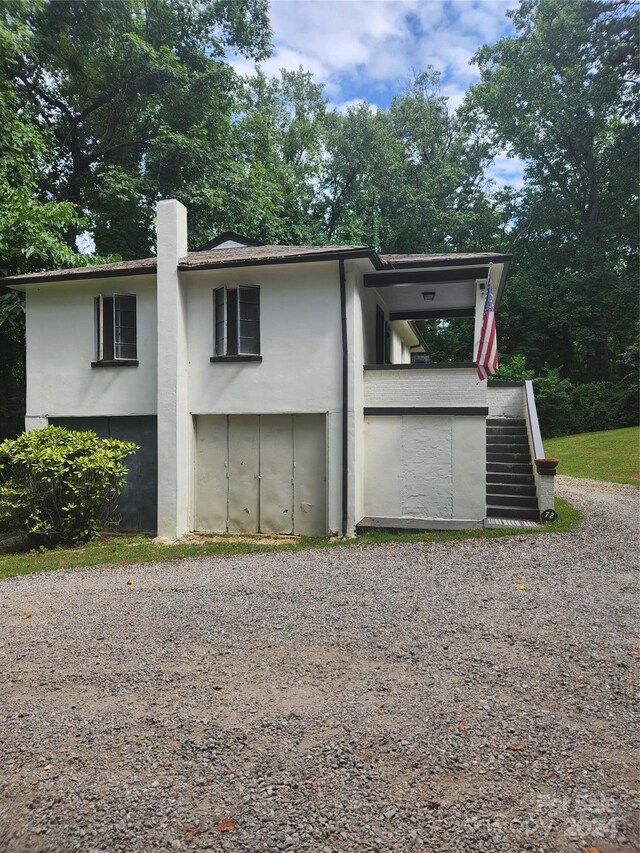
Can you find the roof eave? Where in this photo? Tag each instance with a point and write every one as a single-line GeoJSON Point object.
{"type": "Point", "coordinates": [19, 282]}
{"type": "Point", "coordinates": [346, 255]}
{"type": "Point", "coordinates": [443, 261]}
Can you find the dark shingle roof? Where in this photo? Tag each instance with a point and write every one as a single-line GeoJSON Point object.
{"type": "Point", "coordinates": [256, 256]}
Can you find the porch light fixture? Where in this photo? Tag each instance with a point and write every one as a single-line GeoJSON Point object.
{"type": "Point", "coordinates": [428, 295]}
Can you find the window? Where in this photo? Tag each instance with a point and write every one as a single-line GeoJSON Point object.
{"type": "Point", "coordinates": [115, 330]}
{"type": "Point", "coordinates": [236, 320]}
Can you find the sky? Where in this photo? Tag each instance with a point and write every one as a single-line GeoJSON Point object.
{"type": "Point", "coordinates": [367, 50]}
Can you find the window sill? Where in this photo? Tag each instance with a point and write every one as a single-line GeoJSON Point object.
{"type": "Point", "coordinates": [236, 358]}
{"type": "Point", "coordinates": [116, 362]}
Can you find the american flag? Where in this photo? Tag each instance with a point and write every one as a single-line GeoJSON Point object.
{"type": "Point", "coordinates": [487, 358]}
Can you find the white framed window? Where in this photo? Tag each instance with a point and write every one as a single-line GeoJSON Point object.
{"type": "Point", "coordinates": [236, 321]}
{"type": "Point", "coordinates": [116, 328]}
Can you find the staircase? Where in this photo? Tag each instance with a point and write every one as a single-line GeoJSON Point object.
{"type": "Point", "coordinates": [511, 491]}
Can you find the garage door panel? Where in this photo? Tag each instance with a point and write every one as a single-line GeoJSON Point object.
{"type": "Point", "coordinates": [276, 474]}
{"type": "Point", "coordinates": [137, 505]}
{"type": "Point", "coordinates": [211, 473]}
{"type": "Point", "coordinates": [310, 475]}
{"type": "Point", "coordinates": [244, 470]}
{"type": "Point", "coordinates": [261, 473]}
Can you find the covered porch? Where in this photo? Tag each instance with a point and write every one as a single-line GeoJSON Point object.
{"type": "Point", "coordinates": [425, 420]}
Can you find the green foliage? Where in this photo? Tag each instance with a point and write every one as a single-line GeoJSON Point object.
{"type": "Point", "coordinates": [554, 403]}
{"type": "Point", "coordinates": [409, 179]}
{"type": "Point", "coordinates": [514, 368]}
{"type": "Point", "coordinates": [448, 340]}
{"type": "Point", "coordinates": [565, 407]}
{"type": "Point", "coordinates": [55, 484]}
{"type": "Point", "coordinates": [135, 100]}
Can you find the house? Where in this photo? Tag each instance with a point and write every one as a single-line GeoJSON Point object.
{"type": "Point", "coordinates": [272, 389]}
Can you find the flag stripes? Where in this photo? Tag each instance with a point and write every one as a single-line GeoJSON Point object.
{"type": "Point", "coordinates": [487, 357]}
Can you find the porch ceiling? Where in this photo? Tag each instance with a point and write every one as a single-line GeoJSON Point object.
{"type": "Point", "coordinates": [453, 288]}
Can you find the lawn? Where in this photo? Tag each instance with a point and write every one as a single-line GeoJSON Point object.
{"type": "Point", "coordinates": [612, 455]}
{"type": "Point", "coordinates": [127, 550]}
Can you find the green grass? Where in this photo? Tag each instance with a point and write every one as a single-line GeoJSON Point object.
{"type": "Point", "coordinates": [127, 550]}
{"type": "Point", "coordinates": [612, 455]}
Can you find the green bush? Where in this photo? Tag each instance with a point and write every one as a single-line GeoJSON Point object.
{"type": "Point", "coordinates": [554, 403]}
{"type": "Point", "coordinates": [56, 484]}
{"type": "Point", "coordinates": [565, 407]}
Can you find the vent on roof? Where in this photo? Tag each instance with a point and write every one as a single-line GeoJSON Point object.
{"type": "Point", "coordinates": [228, 240]}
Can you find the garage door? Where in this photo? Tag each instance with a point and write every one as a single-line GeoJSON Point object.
{"type": "Point", "coordinates": [261, 474]}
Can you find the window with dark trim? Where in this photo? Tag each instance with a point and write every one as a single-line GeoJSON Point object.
{"type": "Point", "coordinates": [236, 322]}
{"type": "Point", "coordinates": [116, 332]}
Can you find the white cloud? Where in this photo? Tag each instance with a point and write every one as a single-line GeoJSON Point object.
{"type": "Point", "coordinates": [507, 171]}
{"type": "Point", "coordinates": [352, 46]}
{"type": "Point", "coordinates": [367, 50]}
{"type": "Point", "coordinates": [344, 106]}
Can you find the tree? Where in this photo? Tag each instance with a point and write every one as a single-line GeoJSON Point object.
{"type": "Point", "coordinates": [32, 237]}
{"type": "Point", "coordinates": [135, 97]}
{"type": "Point", "coordinates": [409, 179]}
{"type": "Point", "coordinates": [278, 134]}
{"type": "Point", "coordinates": [561, 94]}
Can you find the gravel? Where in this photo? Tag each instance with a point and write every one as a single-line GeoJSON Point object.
{"type": "Point", "coordinates": [386, 698]}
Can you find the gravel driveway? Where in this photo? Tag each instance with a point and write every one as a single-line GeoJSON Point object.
{"type": "Point", "coordinates": [381, 698]}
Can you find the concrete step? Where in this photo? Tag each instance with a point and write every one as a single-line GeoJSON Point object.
{"type": "Point", "coordinates": [506, 478]}
{"type": "Point", "coordinates": [512, 512]}
{"type": "Point", "coordinates": [504, 467]}
{"type": "Point", "coordinates": [511, 489]}
{"type": "Point", "coordinates": [515, 501]}
{"type": "Point", "coordinates": [507, 456]}
{"type": "Point", "coordinates": [503, 438]}
{"type": "Point", "coordinates": [508, 448]}
{"type": "Point", "coordinates": [506, 430]}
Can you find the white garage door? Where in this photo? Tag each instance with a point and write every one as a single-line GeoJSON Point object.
{"type": "Point", "coordinates": [261, 474]}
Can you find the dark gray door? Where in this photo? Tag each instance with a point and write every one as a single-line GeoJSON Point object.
{"type": "Point", "coordinates": [136, 507]}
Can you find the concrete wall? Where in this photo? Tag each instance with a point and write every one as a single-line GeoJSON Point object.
{"type": "Point", "coordinates": [506, 401]}
{"type": "Point", "coordinates": [430, 467]}
{"type": "Point", "coordinates": [61, 346]}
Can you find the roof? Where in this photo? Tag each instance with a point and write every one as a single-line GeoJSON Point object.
{"type": "Point", "coordinates": [451, 259]}
{"type": "Point", "coordinates": [257, 255]}
{"type": "Point", "coordinates": [248, 255]}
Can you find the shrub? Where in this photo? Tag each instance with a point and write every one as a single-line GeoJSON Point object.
{"type": "Point", "coordinates": [56, 484]}
{"type": "Point", "coordinates": [554, 402]}
{"type": "Point", "coordinates": [566, 407]}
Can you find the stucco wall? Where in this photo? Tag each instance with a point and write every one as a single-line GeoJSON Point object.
{"type": "Point", "coordinates": [430, 467]}
{"type": "Point", "coordinates": [61, 347]}
{"type": "Point", "coordinates": [301, 348]}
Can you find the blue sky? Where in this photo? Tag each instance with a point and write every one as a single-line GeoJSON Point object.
{"type": "Point", "coordinates": [366, 50]}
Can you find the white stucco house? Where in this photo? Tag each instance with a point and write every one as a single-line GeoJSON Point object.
{"type": "Point", "coordinates": [272, 389]}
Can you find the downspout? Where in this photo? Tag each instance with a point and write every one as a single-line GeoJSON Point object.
{"type": "Point", "coordinates": [345, 396]}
